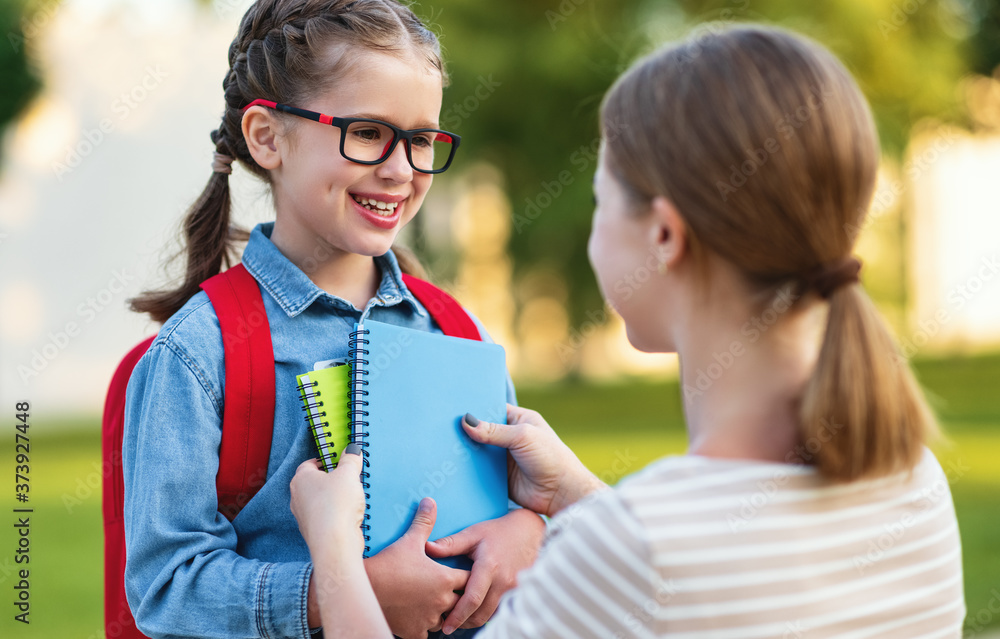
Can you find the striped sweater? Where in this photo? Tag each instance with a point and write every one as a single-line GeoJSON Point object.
{"type": "Point", "coordinates": [695, 547]}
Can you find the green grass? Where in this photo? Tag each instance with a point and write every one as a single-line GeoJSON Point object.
{"type": "Point", "coordinates": [615, 429]}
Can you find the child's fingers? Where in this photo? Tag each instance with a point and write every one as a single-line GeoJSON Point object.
{"type": "Point", "coordinates": [461, 543]}
{"type": "Point", "coordinates": [475, 593]}
{"type": "Point", "coordinates": [423, 521]}
{"type": "Point", "coordinates": [457, 577]}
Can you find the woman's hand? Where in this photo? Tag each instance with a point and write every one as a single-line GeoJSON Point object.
{"type": "Point", "coordinates": [544, 474]}
{"type": "Point", "coordinates": [499, 548]}
{"type": "Point", "coordinates": [329, 508]}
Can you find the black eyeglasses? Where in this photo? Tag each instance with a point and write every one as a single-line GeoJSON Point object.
{"type": "Point", "coordinates": [366, 141]}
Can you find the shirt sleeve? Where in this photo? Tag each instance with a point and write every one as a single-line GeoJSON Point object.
{"type": "Point", "coordinates": [183, 575]}
{"type": "Point", "coordinates": [593, 578]}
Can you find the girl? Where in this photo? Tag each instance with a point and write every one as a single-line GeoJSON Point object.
{"type": "Point", "coordinates": [343, 186]}
{"type": "Point", "coordinates": [808, 504]}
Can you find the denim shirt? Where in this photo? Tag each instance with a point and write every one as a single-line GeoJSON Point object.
{"type": "Point", "coordinates": [190, 572]}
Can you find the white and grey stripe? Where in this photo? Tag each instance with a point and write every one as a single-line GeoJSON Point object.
{"type": "Point", "coordinates": [694, 547]}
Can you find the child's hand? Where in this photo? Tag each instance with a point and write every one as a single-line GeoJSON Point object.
{"type": "Point", "coordinates": [545, 475]}
{"type": "Point", "coordinates": [415, 591]}
{"type": "Point", "coordinates": [329, 507]}
{"type": "Point", "coordinates": [499, 548]}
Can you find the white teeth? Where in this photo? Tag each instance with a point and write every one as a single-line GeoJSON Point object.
{"type": "Point", "coordinates": [374, 205]}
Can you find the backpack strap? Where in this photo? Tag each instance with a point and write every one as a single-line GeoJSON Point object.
{"type": "Point", "coordinates": [248, 414]}
{"type": "Point", "coordinates": [446, 311]}
{"type": "Point", "coordinates": [116, 610]}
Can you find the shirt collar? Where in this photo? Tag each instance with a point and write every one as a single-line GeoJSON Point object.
{"type": "Point", "coordinates": [294, 291]}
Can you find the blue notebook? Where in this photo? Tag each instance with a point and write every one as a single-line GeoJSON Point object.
{"type": "Point", "coordinates": [409, 391]}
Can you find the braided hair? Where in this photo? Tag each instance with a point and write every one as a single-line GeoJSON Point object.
{"type": "Point", "coordinates": [287, 51]}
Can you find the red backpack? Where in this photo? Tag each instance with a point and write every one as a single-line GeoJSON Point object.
{"type": "Point", "coordinates": [248, 420]}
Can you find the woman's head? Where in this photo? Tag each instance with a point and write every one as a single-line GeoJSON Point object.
{"type": "Point", "coordinates": [758, 152]}
{"type": "Point", "coordinates": [313, 54]}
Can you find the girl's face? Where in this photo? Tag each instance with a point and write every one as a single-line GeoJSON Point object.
{"type": "Point", "coordinates": [625, 259]}
{"type": "Point", "coordinates": [318, 192]}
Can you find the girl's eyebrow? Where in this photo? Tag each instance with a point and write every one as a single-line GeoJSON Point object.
{"type": "Point", "coordinates": [377, 116]}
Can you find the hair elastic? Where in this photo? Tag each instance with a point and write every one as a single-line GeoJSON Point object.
{"type": "Point", "coordinates": [222, 163]}
{"type": "Point", "coordinates": [827, 278]}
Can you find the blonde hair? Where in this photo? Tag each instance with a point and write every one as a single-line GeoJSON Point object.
{"type": "Point", "coordinates": [285, 51]}
{"type": "Point", "coordinates": [766, 146]}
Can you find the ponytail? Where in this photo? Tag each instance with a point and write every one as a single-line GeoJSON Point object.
{"type": "Point", "coordinates": [862, 413]}
{"type": "Point", "coordinates": [210, 243]}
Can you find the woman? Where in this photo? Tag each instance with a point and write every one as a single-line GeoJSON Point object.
{"type": "Point", "coordinates": [808, 504]}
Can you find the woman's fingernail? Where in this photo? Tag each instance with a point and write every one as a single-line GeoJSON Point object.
{"type": "Point", "coordinates": [352, 449]}
{"type": "Point", "coordinates": [447, 630]}
{"type": "Point", "coordinates": [471, 420]}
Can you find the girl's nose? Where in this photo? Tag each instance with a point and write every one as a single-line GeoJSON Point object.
{"type": "Point", "coordinates": [396, 167]}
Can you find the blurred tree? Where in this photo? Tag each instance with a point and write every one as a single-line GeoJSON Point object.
{"type": "Point", "coordinates": [20, 80]}
{"type": "Point", "coordinates": [527, 81]}
{"type": "Point", "coordinates": [985, 41]}
{"type": "Point", "coordinates": [528, 77]}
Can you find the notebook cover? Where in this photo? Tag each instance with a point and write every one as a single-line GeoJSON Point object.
{"type": "Point", "coordinates": [324, 395]}
{"type": "Point", "coordinates": [419, 386]}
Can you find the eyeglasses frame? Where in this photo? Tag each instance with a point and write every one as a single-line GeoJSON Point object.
{"type": "Point", "coordinates": [343, 123]}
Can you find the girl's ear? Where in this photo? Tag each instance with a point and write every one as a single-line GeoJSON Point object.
{"type": "Point", "coordinates": [260, 133]}
{"type": "Point", "coordinates": [669, 233]}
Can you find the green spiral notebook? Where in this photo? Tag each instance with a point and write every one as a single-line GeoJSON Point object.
{"type": "Point", "coordinates": [324, 393]}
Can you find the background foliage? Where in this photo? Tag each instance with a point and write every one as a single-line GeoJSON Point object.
{"type": "Point", "coordinates": [20, 81]}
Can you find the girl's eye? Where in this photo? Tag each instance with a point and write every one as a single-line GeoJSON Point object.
{"type": "Point", "coordinates": [425, 141]}
{"type": "Point", "coordinates": [367, 135]}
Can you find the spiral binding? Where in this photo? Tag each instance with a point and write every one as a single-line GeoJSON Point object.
{"type": "Point", "coordinates": [328, 456]}
{"type": "Point", "coordinates": [357, 412]}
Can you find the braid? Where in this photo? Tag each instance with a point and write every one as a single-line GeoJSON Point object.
{"type": "Point", "coordinates": [286, 51]}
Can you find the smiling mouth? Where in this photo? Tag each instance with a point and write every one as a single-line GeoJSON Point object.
{"type": "Point", "coordinates": [385, 209]}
